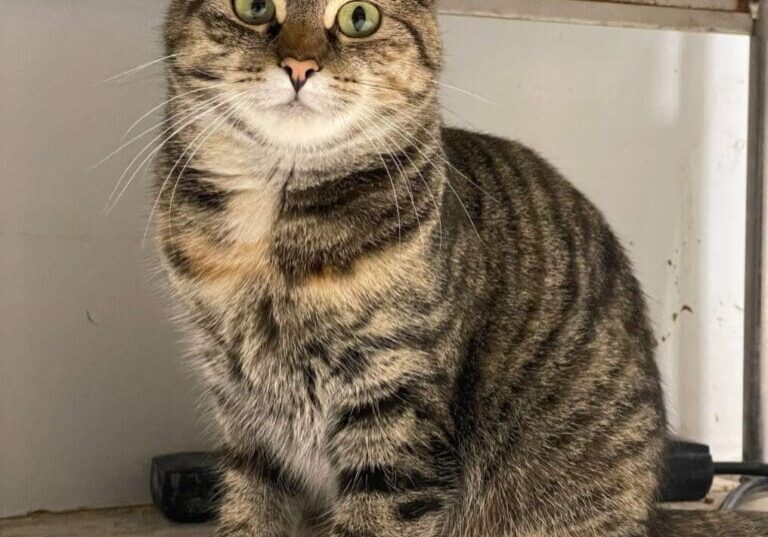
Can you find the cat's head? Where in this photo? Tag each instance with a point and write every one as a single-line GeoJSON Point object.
{"type": "Point", "coordinates": [307, 73]}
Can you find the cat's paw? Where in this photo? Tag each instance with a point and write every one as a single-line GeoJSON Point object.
{"type": "Point", "coordinates": [235, 530]}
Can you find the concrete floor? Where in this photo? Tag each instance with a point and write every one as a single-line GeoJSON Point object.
{"type": "Point", "coordinates": [148, 522]}
{"type": "Point", "coordinates": [125, 522]}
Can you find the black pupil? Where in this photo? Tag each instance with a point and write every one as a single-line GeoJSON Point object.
{"type": "Point", "coordinates": [258, 8]}
{"type": "Point", "coordinates": [359, 18]}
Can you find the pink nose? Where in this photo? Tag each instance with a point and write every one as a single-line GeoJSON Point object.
{"type": "Point", "coordinates": [299, 71]}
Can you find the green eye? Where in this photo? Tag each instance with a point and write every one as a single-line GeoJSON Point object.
{"type": "Point", "coordinates": [358, 19]}
{"type": "Point", "coordinates": [254, 11]}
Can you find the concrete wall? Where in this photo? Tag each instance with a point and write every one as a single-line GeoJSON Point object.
{"type": "Point", "coordinates": [651, 124]}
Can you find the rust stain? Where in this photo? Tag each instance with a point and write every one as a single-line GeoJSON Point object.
{"type": "Point", "coordinates": [684, 309]}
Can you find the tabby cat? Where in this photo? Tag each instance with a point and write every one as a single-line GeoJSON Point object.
{"type": "Point", "coordinates": [405, 330]}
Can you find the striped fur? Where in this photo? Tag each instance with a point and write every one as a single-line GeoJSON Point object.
{"type": "Point", "coordinates": [403, 329]}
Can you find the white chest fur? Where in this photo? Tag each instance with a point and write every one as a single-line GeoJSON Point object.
{"type": "Point", "coordinates": [251, 213]}
{"type": "Point", "coordinates": [281, 417]}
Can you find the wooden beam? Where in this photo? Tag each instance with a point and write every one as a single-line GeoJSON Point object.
{"type": "Point", "coordinates": [714, 5]}
{"type": "Point", "coordinates": [720, 16]}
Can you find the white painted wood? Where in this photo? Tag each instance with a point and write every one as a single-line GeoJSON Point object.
{"type": "Point", "coordinates": [719, 5]}
{"type": "Point", "coordinates": [638, 13]}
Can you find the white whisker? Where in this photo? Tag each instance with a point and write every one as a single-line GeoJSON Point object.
{"type": "Point", "coordinates": [167, 102]}
{"type": "Point", "coordinates": [468, 93]}
{"type": "Point", "coordinates": [213, 127]}
{"type": "Point", "coordinates": [391, 181]}
{"type": "Point", "coordinates": [431, 194]}
{"type": "Point", "coordinates": [416, 143]}
{"type": "Point", "coordinates": [404, 177]}
{"type": "Point", "coordinates": [186, 115]}
{"type": "Point", "coordinates": [441, 154]}
{"type": "Point", "coordinates": [138, 68]}
{"type": "Point", "coordinates": [157, 149]}
{"type": "Point", "coordinates": [158, 125]}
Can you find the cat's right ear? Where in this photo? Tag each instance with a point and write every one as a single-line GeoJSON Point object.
{"type": "Point", "coordinates": [174, 20]}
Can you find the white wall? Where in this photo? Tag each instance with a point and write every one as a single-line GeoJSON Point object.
{"type": "Point", "coordinates": [83, 404]}
{"type": "Point", "coordinates": [650, 124]}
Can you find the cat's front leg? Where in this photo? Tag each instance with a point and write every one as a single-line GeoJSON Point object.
{"type": "Point", "coordinates": [372, 514]}
{"type": "Point", "coordinates": [398, 472]}
{"type": "Point", "coordinates": [255, 501]}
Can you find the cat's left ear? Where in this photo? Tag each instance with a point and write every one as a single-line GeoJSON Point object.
{"type": "Point", "coordinates": [432, 5]}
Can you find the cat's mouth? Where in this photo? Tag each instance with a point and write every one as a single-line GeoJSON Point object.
{"type": "Point", "coordinates": [296, 105]}
{"type": "Point", "coordinates": [317, 115]}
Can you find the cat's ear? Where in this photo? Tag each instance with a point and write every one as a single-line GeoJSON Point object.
{"type": "Point", "coordinates": [429, 4]}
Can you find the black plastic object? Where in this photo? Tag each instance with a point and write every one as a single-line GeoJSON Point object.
{"type": "Point", "coordinates": [184, 486]}
{"type": "Point", "coordinates": [688, 472]}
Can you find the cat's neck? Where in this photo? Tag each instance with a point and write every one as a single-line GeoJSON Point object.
{"type": "Point", "coordinates": [312, 209]}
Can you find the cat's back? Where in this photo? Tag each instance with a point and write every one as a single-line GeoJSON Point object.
{"type": "Point", "coordinates": [496, 168]}
{"type": "Point", "coordinates": [566, 319]}
{"type": "Point", "coordinates": [545, 237]}
{"type": "Point", "coordinates": [565, 366]}
{"type": "Point", "coordinates": [539, 234]}
{"type": "Point", "coordinates": [516, 198]}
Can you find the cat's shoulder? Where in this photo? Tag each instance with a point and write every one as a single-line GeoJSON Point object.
{"type": "Point", "coordinates": [474, 147]}
{"type": "Point", "coordinates": [503, 159]}
{"type": "Point", "coordinates": [497, 164]}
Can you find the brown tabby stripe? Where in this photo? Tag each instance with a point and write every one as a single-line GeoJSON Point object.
{"type": "Point", "coordinates": [388, 480]}
{"type": "Point", "coordinates": [342, 531]}
{"type": "Point", "coordinates": [261, 464]}
{"type": "Point", "coordinates": [416, 509]}
{"type": "Point", "coordinates": [372, 413]}
{"type": "Point", "coordinates": [418, 39]}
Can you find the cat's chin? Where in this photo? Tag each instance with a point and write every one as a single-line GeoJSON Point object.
{"type": "Point", "coordinates": [296, 125]}
{"type": "Point", "coordinates": [296, 109]}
